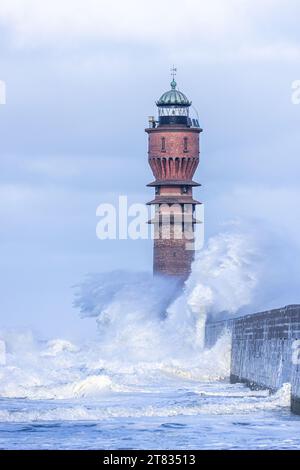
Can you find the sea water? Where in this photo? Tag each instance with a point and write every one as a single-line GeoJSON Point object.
{"type": "Point", "coordinates": [59, 396]}
{"type": "Point", "coordinates": [148, 382]}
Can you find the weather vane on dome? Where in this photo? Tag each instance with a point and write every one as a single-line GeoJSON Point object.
{"type": "Point", "coordinates": [173, 73]}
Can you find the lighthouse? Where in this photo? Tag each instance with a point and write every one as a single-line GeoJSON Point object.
{"type": "Point", "coordinates": [173, 154]}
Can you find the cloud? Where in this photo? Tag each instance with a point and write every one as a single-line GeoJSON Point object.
{"type": "Point", "coordinates": [172, 24]}
{"type": "Point", "coordinates": [134, 19]}
{"type": "Point", "coordinates": [195, 32]}
{"type": "Point", "coordinates": [82, 77]}
{"type": "Point", "coordinates": [274, 208]}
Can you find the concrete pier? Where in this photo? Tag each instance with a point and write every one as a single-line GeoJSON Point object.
{"type": "Point", "coordinates": [265, 349]}
{"type": "Point", "coordinates": [295, 398]}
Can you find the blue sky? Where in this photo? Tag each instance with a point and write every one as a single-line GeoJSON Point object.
{"type": "Point", "coordinates": [81, 78]}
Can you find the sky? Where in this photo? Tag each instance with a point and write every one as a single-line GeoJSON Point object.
{"type": "Point", "coordinates": [81, 79]}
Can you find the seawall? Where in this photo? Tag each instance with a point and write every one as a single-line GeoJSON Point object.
{"type": "Point", "coordinates": [264, 350]}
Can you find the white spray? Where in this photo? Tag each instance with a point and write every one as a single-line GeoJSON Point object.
{"type": "Point", "coordinates": [142, 335]}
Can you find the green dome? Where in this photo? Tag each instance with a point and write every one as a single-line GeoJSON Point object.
{"type": "Point", "coordinates": [173, 97]}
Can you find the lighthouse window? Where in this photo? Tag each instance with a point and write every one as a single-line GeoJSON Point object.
{"type": "Point", "coordinates": [185, 144]}
{"type": "Point", "coordinates": [163, 144]}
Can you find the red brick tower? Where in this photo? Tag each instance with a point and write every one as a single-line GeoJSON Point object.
{"type": "Point", "coordinates": [173, 157]}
